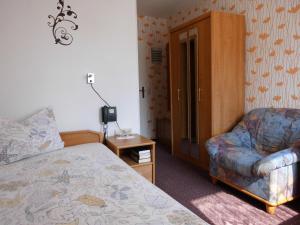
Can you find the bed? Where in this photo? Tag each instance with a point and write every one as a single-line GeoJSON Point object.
{"type": "Point", "coordinates": [83, 184]}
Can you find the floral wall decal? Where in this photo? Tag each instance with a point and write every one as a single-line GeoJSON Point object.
{"type": "Point", "coordinates": [63, 19]}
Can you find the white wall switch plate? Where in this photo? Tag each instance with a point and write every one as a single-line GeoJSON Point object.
{"type": "Point", "coordinates": [91, 78]}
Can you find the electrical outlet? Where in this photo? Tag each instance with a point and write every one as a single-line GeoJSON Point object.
{"type": "Point", "coordinates": [90, 78]}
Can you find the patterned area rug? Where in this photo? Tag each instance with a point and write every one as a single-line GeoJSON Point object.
{"type": "Point", "coordinates": [217, 204]}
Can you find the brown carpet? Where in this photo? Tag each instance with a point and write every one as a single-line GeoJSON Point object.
{"type": "Point", "coordinates": [216, 204]}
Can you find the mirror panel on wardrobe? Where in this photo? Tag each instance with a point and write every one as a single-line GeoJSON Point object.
{"type": "Point", "coordinates": [193, 86]}
{"type": "Point", "coordinates": [182, 90]}
{"type": "Point", "coordinates": [188, 93]}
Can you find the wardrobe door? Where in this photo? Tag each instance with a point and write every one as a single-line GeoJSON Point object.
{"type": "Point", "coordinates": [228, 73]}
{"type": "Point", "coordinates": [192, 92]}
{"type": "Point", "coordinates": [204, 88]}
{"type": "Point", "coordinates": [177, 69]}
{"type": "Point", "coordinates": [184, 92]}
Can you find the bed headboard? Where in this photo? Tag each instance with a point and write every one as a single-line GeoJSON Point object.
{"type": "Point", "coordinates": [81, 137]}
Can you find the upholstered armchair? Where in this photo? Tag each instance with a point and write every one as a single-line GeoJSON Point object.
{"type": "Point", "coordinates": [259, 156]}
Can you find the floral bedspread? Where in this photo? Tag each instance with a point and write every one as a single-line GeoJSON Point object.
{"type": "Point", "coordinates": [84, 185]}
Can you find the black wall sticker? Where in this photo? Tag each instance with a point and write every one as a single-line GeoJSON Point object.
{"type": "Point", "coordinates": [61, 22]}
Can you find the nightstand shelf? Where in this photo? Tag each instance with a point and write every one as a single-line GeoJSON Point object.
{"type": "Point", "coordinates": [132, 163]}
{"type": "Point", "coordinates": [122, 147]}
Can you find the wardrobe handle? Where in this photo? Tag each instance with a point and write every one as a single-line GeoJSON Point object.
{"type": "Point", "coordinates": [199, 94]}
{"type": "Point", "coordinates": [178, 94]}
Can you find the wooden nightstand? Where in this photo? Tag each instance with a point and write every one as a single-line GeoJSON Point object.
{"type": "Point", "coordinates": [122, 147]}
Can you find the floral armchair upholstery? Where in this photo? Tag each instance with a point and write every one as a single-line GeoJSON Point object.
{"type": "Point", "coordinates": [258, 156]}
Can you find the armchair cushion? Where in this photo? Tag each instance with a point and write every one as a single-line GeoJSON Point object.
{"type": "Point", "coordinates": [233, 151]}
{"type": "Point", "coordinates": [274, 131]}
{"type": "Point", "coordinates": [239, 137]}
{"type": "Point", "coordinates": [220, 143]}
{"type": "Point", "coordinates": [239, 160]}
{"type": "Point", "coordinates": [275, 161]}
{"type": "Point", "coordinates": [295, 132]}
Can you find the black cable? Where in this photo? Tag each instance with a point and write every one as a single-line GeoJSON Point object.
{"type": "Point", "coordinates": [97, 93]}
{"type": "Point", "coordinates": [119, 126]}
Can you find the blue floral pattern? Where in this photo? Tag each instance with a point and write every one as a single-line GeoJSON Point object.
{"type": "Point", "coordinates": [258, 154]}
{"type": "Point", "coordinates": [33, 136]}
{"type": "Point", "coordinates": [84, 185]}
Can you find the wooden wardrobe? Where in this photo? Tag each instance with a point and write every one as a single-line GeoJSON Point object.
{"type": "Point", "coordinates": [207, 78]}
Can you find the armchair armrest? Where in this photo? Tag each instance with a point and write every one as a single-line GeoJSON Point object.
{"type": "Point", "coordinates": [237, 138]}
{"type": "Point", "coordinates": [275, 161]}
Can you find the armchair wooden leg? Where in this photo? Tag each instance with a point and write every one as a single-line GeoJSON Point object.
{"type": "Point", "coordinates": [214, 180]}
{"type": "Point", "coordinates": [271, 209]}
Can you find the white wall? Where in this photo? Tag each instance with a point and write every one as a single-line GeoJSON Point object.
{"type": "Point", "coordinates": [35, 72]}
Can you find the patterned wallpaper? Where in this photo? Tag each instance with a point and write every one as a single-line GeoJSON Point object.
{"type": "Point", "coordinates": [153, 33]}
{"type": "Point", "coordinates": [272, 44]}
{"type": "Point", "coordinates": [272, 52]}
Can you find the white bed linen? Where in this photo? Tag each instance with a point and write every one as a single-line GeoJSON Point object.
{"type": "Point", "coordinates": [84, 185]}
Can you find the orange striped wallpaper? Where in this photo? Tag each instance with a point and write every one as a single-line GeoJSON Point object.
{"type": "Point", "coordinates": [272, 52]}
{"type": "Point", "coordinates": [273, 48]}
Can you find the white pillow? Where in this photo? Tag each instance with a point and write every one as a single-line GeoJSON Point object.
{"type": "Point", "coordinates": [35, 135]}
{"type": "Point", "coordinates": [14, 142]}
{"type": "Point", "coordinates": [44, 132]}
